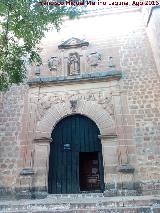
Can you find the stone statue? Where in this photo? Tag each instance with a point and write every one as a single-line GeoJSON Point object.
{"type": "Point", "coordinates": [110, 62]}
{"type": "Point", "coordinates": [74, 64]}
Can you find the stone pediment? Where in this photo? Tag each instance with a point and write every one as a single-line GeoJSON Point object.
{"type": "Point", "coordinates": [73, 43]}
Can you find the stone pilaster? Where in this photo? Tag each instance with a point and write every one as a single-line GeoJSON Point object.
{"type": "Point", "coordinates": [41, 160]}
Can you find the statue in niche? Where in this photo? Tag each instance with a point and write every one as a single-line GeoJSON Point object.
{"type": "Point", "coordinates": [73, 64]}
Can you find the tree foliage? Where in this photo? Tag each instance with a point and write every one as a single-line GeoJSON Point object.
{"type": "Point", "coordinates": [23, 24]}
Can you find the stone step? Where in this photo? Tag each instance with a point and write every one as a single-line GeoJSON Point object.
{"type": "Point", "coordinates": [71, 203]}
{"type": "Point", "coordinates": [95, 210]}
{"type": "Point", "coordinates": [38, 195]}
{"type": "Point", "coordinates": [79, 205]}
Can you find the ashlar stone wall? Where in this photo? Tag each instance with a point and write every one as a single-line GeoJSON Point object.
{"type": "Point", "coordinates": [13, 104]}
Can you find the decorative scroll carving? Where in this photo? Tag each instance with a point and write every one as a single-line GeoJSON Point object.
{"type": "Point", "coordinates": [102, 98]}
{"type": "Point", "coordinates": [94, 59]}
{"type": "Point", "coordinates": [43, 105]}
{"type": "Point", "coordinates": [106, 102]}
{"type": "Point", "coordinates": [73, 64]}
{"type": "Point", "coordinates": [53, 63]}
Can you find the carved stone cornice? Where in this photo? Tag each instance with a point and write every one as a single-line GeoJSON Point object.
{"type": "Point", "coordinates": [97, 76]}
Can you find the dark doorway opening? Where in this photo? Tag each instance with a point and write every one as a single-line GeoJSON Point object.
{"type": "Point", "coordinates": [75, 144]}
{"type": "Point", "coordinates": [89, 175]}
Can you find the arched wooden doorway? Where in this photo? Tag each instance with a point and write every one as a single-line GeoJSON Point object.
{"type": "Point", "coordinates": [75, 161]}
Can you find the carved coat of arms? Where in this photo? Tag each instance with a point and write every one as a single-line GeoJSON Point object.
{"type": "Point", "coordinates": [53, 63]}
{"type": "Point", "coordinates": [94, 59]}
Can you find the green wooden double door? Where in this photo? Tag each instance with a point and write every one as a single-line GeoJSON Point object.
{"type": "Point", "coordinates": [75, 161]}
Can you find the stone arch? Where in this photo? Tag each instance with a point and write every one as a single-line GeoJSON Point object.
{"type": "Point", "coordinates": [90, 109]}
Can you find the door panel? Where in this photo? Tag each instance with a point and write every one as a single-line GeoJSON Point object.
{"type": "Point", "coordinates": [72, 135]}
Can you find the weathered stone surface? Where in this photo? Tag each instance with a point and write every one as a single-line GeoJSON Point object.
{"type": "Point", "coordinates": [127, 107]}
{"type": "Point", "coordinates": [82, 203]}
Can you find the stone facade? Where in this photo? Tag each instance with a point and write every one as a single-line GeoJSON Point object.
{"type": "Point", "coordinates": [118, 87]}
{"type": "Point", "coordinates": [153, 30]}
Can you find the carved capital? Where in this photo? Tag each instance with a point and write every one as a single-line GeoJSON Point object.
{"type": "Point", "coordinates": [43, 140]}
{"type": "Point", "coordinates": [108, 136]}
{"type": "Point", "coordinates": [125, 168]}
{"type": "Point", "coordinates": [27, 171]}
